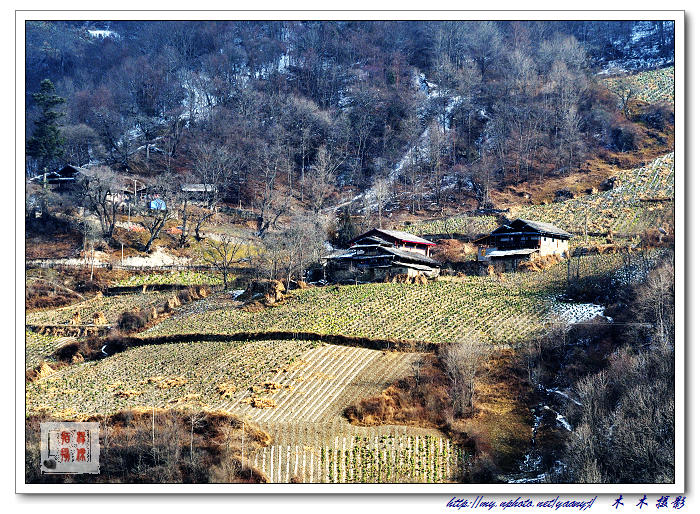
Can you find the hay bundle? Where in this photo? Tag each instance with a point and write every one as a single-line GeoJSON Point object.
{"type": "Point", "coordinates": [44, 370]}
{"type": "Point", "coordinates": [269, 387]}
{"type": "Point", "coordinates": [226, 389]}
{"type": "Point", "coordinates": [98, 318]}
{"type": "Point", "coordinates": [266, 291]}
{"type": "Point", "coordinates": [127, 393]}
{"type": "Point", "coordinates": [173, 303]}
{"type": "Point", "coordinates": [539, 263]}
{"type": "Point", "coordinates": [171, 382]}
{"type": "Point", "coordinates": [262, 403]}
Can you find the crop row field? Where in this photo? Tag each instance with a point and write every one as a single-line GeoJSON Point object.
{"type": "Point", "coordinates": [441, 311]}
{"type": "Point", "coordinates": [378, 459]}
{"type": "Point", "coordinates": [456, 225]}
{"type": "Point", "coordinates": [500, 310]}
{"type": "Point", "coordinates": [185, 278]}
{"type": "Point", "coordinates": [109, 306]}
{"type": "Point", "coordinates": [40, 347]}
{"type": "Point", "coordinates": [198, 374]}
{"type": "Point", "coordinates": [642, 199]}
{"type": "Point", "coordinates": [322, 382]}
{"type": "Point", "coordinates": [651, 86]}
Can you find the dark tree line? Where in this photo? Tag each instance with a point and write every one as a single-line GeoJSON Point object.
{"type": "Point", "coordinates": [500, 100]}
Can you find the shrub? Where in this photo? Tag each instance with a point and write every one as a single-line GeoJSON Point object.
{"type": "Point", "coordinates": [130, 321]}
{"type": "Point", "coordinates": [625, 136]}
{"type": "Point", "coordinates": [657, 116]}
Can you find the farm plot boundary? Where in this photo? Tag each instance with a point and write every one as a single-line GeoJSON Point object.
{"type": "Point", "coordinates": [117, 345]}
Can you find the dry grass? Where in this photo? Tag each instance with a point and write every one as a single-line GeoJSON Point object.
{"type": "Point", "coordinates": [497, 434]}
{"type": "Point", "coordinates": [182, 445]}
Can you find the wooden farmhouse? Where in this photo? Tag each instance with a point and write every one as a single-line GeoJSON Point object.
{"type": "Point", "coordinates": [198, 192]}
{"type": "Point", "coordinates": [380, 254]}
{"type": "Point", "coordinates": [521, 240]}
{"type": "Point", "coordinates": [60, 180]}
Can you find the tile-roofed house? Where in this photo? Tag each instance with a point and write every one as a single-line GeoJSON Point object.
{"type": "Point", "coordinates": [397, 239]}
{"type": "Point", "coordinates": [522, 239]}
{"type": "Point", "coordinates": [62, 179]}
{"type": "Point", "coordinates": [379, 254]}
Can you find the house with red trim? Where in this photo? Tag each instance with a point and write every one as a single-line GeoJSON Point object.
{"type": "Point", "coordinates": [380, 254]}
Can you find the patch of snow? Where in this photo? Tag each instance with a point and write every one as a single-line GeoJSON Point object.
{"type": "Point", "coordinates": [103, 33]}
{"type": "Point", "coordinates": [557, 391]}
{"type": "Point", "coordinates": [571, 313]}
{"type": "Point", "coordinates": [561, 419]}
{"type": "Point", "coordinates": [283, 63]}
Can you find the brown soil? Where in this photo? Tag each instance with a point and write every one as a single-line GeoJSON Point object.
{"type": "Point", "coordinates": [589, 175]}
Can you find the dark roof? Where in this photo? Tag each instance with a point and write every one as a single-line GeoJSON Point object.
{"type": "Point", "coordinates": [403, 255]}
{"type": "Point", "coordinates": [374, 239]}
{"type": "Point", "coordinates": [69, 171]}
{"type": "Point", "coordinates": [410, 256]}
{"type": "Point", "coordinates": [541, 226]}
{"type": "Point", "coordinates": [396, 234]}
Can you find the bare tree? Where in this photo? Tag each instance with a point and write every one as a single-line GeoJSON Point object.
{"type": "Point", "coordinates": [222, 254]}
{"type": "Point", "coordinates": [213, 168]}
{"type": "Point", "coordinates": [153, 221]}
{"type": "Point", "coordinates": [97, 192]}
{"type": "Point", "coordinates": [289, 252]}
{"type": "Point", "coordinates": [159, 210]}
{"type": "Point", "coordinates": [321, 179]}
{"type": "Point", "coordinates": [270, 203]}
{"type": "Point", "coordinates": [626, 91]}
{"type": "Point", "coordinates": [485, 45]}
{"type": "Point", "coordinates": [381, 189]}
{"type": "Point", "coordinates": [437, 148]}
{"type": "Point", "coordinates": [461, 361]}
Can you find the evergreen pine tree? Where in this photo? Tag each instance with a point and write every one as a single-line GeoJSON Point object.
{"type": "Point", "coordinates": [46, 143]}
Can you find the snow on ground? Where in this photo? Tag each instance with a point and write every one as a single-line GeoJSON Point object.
{"type": "Point", "coordinates": [103, 33]}
{"type": "Point", "coordinates": [571, 313]}
{"type": "Point", "coordinates": [561, 393]}
{"type": "Point", "coordinates": [561, 419]}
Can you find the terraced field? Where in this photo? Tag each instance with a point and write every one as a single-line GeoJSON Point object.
{"type": "Point", "coordinates": [186, 278]}
{"type": "Point", "coordinates": [442, 311]}
{"type": "Point", "coordinates": [396, 455]}
{"type": "Point", "coordinates": [110, 306]}
{"type": "Point", "coordinates": [642, 199]}
{"type": "Point", "coordinates": [323, 381]}
{"type": "Point", "coordinates": [506, 310]}
{"type": "Point", "coordinates": [652, 86]}
{"type": "Point", "coordinates": [456, 225]}
{"type": "Point", "coordinates": [624, 209]}
{"type": "Point", "coordinates": [39, 347]}
{"type": "Point", "coordinates": [201, 374]}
